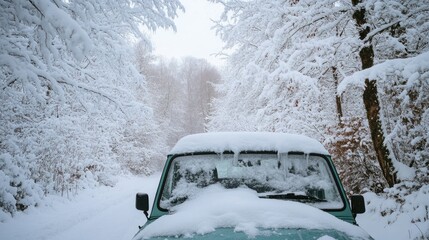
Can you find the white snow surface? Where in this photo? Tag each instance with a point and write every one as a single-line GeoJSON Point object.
{"type": "Point", "coordinates": [251, 141]}
{"type": "Point", "coordinates": [386, 219]}
{"type": "Point", "coordinates": [104, 213]}
{"type": "Point", "coordinates": [244, 211]}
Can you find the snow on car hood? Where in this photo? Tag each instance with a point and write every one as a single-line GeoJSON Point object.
{"type": "Point", "coordinates": [250, 141]}
{"type": "Point", "coordinates": [241, 209]}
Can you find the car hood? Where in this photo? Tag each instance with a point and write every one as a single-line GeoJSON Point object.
{"type": "Point", "coordinates": [272, 234]}
{"type": "Point", "coordinates": [240, 213]}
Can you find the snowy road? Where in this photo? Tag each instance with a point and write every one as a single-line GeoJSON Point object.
{"type": "Point", "coordinates": [105, 213]}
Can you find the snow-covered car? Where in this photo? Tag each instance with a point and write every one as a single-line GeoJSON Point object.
{"type": "Point", "coordinates": [243, 185]}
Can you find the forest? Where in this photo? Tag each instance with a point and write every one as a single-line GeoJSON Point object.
{"type": "Point", "coordinates": [84, 99]}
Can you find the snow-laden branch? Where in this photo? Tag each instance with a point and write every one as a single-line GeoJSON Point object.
{"type": "Point", "coordinates": [76, 38]}
{"type": "Point", "coordinates": [421, 10]}
{"type": "Point", "coordinates": [407, 68]}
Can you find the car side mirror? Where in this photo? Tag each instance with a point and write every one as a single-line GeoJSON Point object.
{"type": "Point", "coordinates": [142, 203]}
{"type": "Point", "coordinates": [358, 204]}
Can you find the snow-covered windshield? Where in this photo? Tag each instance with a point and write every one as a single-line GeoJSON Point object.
{"type": "Point", "coordinates": [297, 177]}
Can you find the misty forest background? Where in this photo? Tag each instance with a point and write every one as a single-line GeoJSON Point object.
{"type": "Point", "coordinates": [83, 99]}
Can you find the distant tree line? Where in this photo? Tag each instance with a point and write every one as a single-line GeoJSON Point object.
{"type": "Point", "coordinates": [181, 91]}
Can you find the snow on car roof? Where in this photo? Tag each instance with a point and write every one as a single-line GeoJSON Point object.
{"type": "Point", "coordinates": [247, 141]}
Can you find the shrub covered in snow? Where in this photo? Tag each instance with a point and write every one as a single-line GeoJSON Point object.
{"type": "Point", "coordinates": [403, 207]}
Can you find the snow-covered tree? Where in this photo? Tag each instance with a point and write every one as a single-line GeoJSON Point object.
{"type": "Point", "coordinates": [315, 45]}
{"type": "Point", "coordinates": [404, 83]}
{"type": "Point", "coordinates": [199, 77]}
{"type": "Point", "coordinates": [167, 98]}
{"type": "Point", "coordinates": [71, 114]}
{"type": "Point", "coordinates": [390, 29]}
{"type": "Point", "coordinates": [290, 58]}
{"type": "Point", "coordinates": [287, 53]}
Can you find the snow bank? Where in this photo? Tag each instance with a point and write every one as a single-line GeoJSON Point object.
{"type": "Point", "coordinates": [103, 213]}
{"type": "Point", "coordinates": [251, 141]}
{"type": "Point", "coordinates": [404, 216]}
{"type": "Point", "coordinates": [242, 210]}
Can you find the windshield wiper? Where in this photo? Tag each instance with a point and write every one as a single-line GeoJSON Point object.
{"type": "Point", "coordinates": [293, 196]}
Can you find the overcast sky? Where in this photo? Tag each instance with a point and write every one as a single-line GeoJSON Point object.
{"type": "Point", "coordinates": [194, 36]}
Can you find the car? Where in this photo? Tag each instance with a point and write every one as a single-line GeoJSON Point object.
{"type": "Point", "coordinates": [250, 185]}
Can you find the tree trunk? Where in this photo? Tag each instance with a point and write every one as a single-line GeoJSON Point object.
{"type": "Point", "coordinates": [337, 97]}
{"type": "Point", "coordinates": [370, 99]}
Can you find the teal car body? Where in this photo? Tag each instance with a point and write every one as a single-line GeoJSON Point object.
{"type": "Point", "coordinates": [315, 182]}
{"type": "Point", "coordinates": [270, 234]}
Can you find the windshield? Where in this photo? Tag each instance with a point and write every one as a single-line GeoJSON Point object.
{"type": "Point", "coordinates": [297, 177]}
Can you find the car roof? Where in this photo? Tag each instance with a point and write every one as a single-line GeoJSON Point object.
{"type": "Point", "coordinates": [236, 142]}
